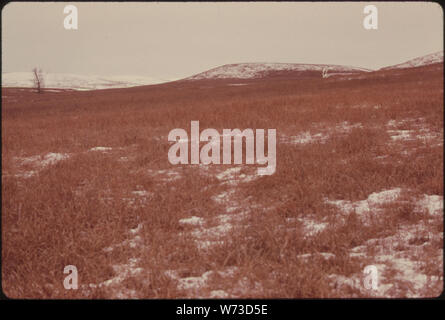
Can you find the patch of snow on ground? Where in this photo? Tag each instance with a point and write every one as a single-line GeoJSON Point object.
{"type": "Point", "coordinates": [218, 294]}
{"type": "Point", "coordinates": [307, 137]}
{"type": "Point", "coordinates": [400, 260]}
{"type": "Point", "coordinates": [395, 123]}
{"type": "Point", "coordinates": [226, 218]}
{"type": "Point", "coordinates": [312, 227]}
{"type": "Point", "coordinates": [364, 206]}
{"type": "Point", "coordinates": [345, 126]}
{"type": "Point", "coordinates": [26, 174]}
{"type": "Point", "coordinates": [400, 134]}
{"type": "Point", "coordinates": [123, 271]}
{"type": "Point", "coordinates": [101, 149]}
{"type": "Point", "coordinates": [220, 225]}
{"type": "Point", "coordinates": [223, 196]}
{"type": "Point", "coordinates": [194, 283]}
{"type": "Point", "coordinates": [233, 176]}
{"type": "Point", "coordinates": [165, 174]}
{"type": "Point", "coordinates": [325, 255]}
{"type": "Point", "coordinates": [229, 173]}
{"type": "Point", "coordinates": [418, 130]}
{"type": "Point", "coordinates": [206, 244]}
{"type": "Point", "coordinates": [52, 158]}
{"type": "Point", "coordinates": [433, 204]}
{"type": "Point", "coordinates": [39, 162]}
{"type": "Point", "coordinates": [209, 232]}
{"type": "Point", "coordinates": [215, 232]}
{"type": "Point", "coordinates": [194, 221]}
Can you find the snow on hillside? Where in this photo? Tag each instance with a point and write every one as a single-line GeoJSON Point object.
{"type": "Point", "coordinates": [420, 61]}
{"type": "Point", "coordinates": [75, 81]}
{"type": "Point", "coordinates": [257, 70]}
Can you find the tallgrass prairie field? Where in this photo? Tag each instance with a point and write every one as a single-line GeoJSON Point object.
{"type": "Point", "coordinates": [86, 182]}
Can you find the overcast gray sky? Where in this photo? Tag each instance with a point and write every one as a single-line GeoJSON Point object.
{"type": "Point", "coordinates": [168, 40]}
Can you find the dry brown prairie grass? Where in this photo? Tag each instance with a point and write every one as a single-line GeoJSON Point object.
{"type": "Point", "coordinates": [70, 212]}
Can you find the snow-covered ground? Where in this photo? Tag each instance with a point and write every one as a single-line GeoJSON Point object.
{"type": "Point", "coordinates": [307, 137]}
{"type": "Point", "coordinates": [77, 81]}
{"type": "Point", "coordinates": [39, 162]}
{"type": "Point", "coordinates": [257, 70]}
{"type": "Point", "coordinates": [419, 61]}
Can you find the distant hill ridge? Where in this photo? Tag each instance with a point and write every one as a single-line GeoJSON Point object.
{"type": "Point", "coordinates": [432, 58]}
{"type": "Point", "coordinates": [242, 71]}
{"type": "Point", "coordinates": [76, 81]}
{"type": "Point", "coordinates": [263, 70]}
{"type": "Point", "coordinates": [260, 70]}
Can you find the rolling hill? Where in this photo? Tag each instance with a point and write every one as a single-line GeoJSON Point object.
{"type": "Point", "coordinates": [273, 70]}
{"type": "Point", "coordinates": [239, 71]}
{"type": "Point", "coordinates": [76, 81]}
{"type": "Point", "coordinates": [419, 61]}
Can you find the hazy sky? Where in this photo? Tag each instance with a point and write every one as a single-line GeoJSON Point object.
{"type": "Point", "coordinates": [168, 40]}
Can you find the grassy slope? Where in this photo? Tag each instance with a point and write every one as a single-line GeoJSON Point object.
{"type": "Point", "coordinates": [69, 212]}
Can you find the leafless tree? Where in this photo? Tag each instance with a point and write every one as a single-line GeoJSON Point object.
{"type": "Point", "coordinates": [38, 80]}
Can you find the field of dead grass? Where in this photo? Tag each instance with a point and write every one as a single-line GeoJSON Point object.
{"type": "Point", "coordinates": [86, 181]}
